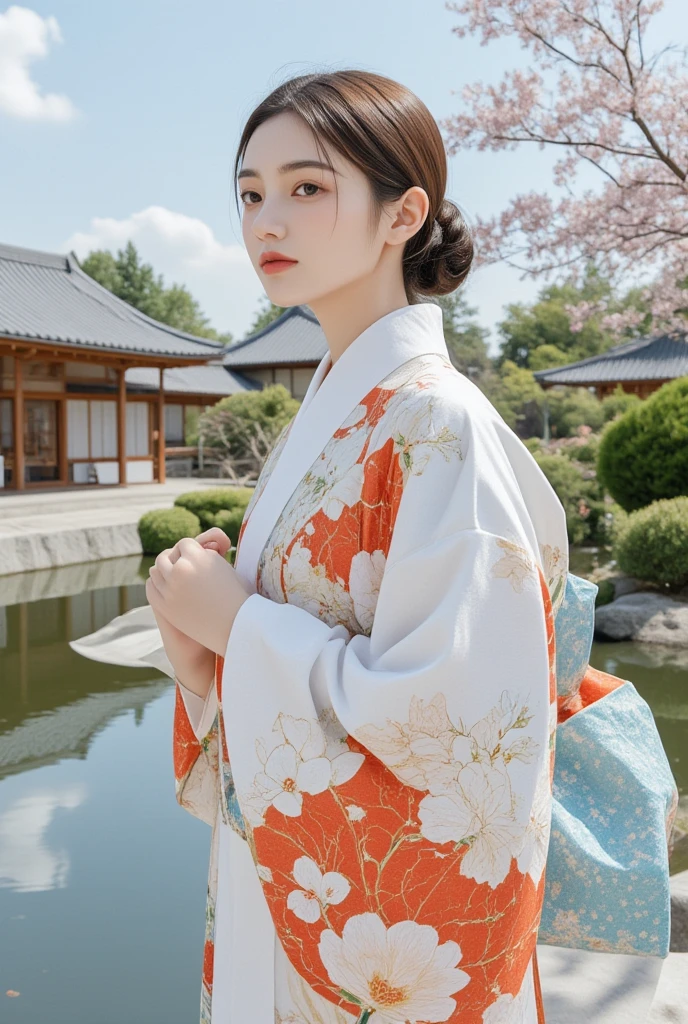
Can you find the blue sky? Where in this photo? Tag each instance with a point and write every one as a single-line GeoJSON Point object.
{"type": "Point", "coordinates": [159, 92]}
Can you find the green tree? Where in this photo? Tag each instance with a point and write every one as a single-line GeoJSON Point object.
{"type": "Point", "coordinates": [539, 336]}
{"type": "Point", "coordinates": [136, 283]}
{"type": "Point", "coordinates": [466, 339]}
{"type": "Point", "coordinates": [265, 315]}
{"type": "Point", "coordinates": [517, 397]}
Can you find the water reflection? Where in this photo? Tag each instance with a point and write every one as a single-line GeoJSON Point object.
{"type": "Point", "coordinates": [102, 876]}
{"type": "Point", "coordinates": [27, 864]}
{"type": "Point", "coordinates": [52, 701]}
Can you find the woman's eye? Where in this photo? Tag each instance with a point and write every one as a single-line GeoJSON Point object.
{"type": "Point", "coordinates": [252, 202]}
{"type": "Point", "coordinates": [310, 184]}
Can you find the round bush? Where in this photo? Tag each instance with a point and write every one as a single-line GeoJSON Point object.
{"type": "Point", "coordinates": [652, 544]}
{"type": "Point", "coordinates": [643, 454]}
{"type": "Point", "coordinates": [163, 527]}
{"type": "Point", "coordinates": [206, 504]}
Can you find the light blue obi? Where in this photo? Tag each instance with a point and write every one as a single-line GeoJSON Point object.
{"type": "Point", "coordinates": [607, 878]}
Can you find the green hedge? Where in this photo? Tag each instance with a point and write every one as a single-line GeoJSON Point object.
{"type": "Point", "coordinates": [652, 543]}
{"type": "Point", "coordinates": [643, 454]}
{"type": "Point", "coordinates": [207, 504]}
{"type": "Point", "coordinates": [163, 527]}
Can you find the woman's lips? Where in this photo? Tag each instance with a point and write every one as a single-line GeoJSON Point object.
{"type": "Point", "coordinates": [276, 266]}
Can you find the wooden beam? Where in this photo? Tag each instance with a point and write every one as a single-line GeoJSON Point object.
{"type": "Point", "coordinates": [122, 427]}
{"type": "Point", "coordinates": [161, 428]}
{"type": "Point", "coordinates": [18, 425]}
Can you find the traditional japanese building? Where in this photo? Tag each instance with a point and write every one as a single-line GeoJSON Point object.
{"type": "Point", "coordinates": [286, 352]}
{"type": "Point", "coordinates": [640, 367]}
{"type": "Point", "coordinates": [92, 391]}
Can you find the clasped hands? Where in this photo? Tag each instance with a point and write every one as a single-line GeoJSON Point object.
{"type": "Point", "coordinates": [196, 592]}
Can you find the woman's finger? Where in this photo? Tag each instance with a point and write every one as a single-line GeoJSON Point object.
{"type": "Point", "coordinates": [215, 536]}
{"type": "Point", "coordinates": [155, 577]}
{"type": "Point", "coordinates": [164, 563]}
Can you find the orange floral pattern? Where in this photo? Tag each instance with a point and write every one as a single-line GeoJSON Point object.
{"type": "Point", "coordinates": [403, 867]}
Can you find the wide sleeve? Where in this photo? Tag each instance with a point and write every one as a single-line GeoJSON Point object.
{"type": "Point", "coordinates": [398, 784]}
{"type": "Point", "coordinates": [195, 748]}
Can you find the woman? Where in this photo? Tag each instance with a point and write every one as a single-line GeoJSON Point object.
{"type": "Point", "coordinates": [381, 657]}
{"type": "Point", "coordinates": [366, 702]}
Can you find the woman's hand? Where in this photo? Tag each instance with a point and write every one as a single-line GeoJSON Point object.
{"type": "Point", "coordinates": [193, 664]}
{"type": "Point", "coordinates": [196, 591]}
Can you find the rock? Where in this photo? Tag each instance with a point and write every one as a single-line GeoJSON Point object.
{"type": "Point", "coordinates": [679, 913]}
{"type": "Point", "coordinates": [647, 617]}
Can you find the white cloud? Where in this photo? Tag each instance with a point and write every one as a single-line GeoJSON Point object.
{"type": "Point", "coordinates": [185, 251]}
{"type": "Point", "coordinates": [24, 37]}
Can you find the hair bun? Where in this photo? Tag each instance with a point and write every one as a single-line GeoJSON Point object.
{"type": "Point", "coordinates": [440, 264]}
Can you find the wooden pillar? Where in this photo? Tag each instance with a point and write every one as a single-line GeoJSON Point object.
{"type": "Point", "coordinates": [62, 461]}
{"type": "Point", "coordinates": [18, 424]}
{"type": "Point", "coordinates": [161, 428]}
{"type": "Point", "coordinates": [122, 427]}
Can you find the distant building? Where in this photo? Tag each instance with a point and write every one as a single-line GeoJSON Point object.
{"type": "Point", "coordinates": [80, 378]}
{"type": "Point", "coordinates": [640, 366]}
{"type": "Point", "coordinates": [287, 352]}
{"type": "Point", "coordinates": [92, 390]}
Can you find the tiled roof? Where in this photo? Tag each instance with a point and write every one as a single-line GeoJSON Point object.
{"type": "Point", "coordinates": [294, 339]}
{"type": "Point", "coordinates": [48, 297]}
{"type": "Point", "coordinates": [661, 358]}
{"type": "Point", "coordinates": [212, 379]}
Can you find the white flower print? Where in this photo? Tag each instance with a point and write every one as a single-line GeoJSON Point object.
{"type": "Point", "coordinates": [533, 855]}
{"type": "Point", "coordinates": [478, 812]}
{"type": "Point", "coordinates": [516, 566]}
{"type": "Point", "coordinates": [429, 751]}
{"type": "Point", "coordinates": [508, 1009]}
{"type": "Point", "coordinates": [401, 974]}
{"type": "Point", "coordinates": [264, 873]}
{"type": "Point", "coordinates": [299, 758]}
{"type": "Point", "coordinates": [309, 587]}
{"type": "Point", "coordinates": [355, 812]}
{"type": "Point", "coordinates": [317, 891]}
{"type": "Point", "coordinates": [286, 777]}
{"type": "Point", "coordinates": [344, 492]}
{"type": "Point", "coordinates": [365, 577]}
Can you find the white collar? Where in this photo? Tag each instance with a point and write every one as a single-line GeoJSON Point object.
{"type": "Point", "coordinates": [380, 349]}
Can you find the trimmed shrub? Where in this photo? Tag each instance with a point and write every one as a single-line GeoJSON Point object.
{"type": "Point", "coordinates": [582, 500]}
{"type": "Point", "coordinates": [652, 544]}
{"type": "Point", "coordinates": [643, 454]}
{"type": "Point", "coordinates": [208, 503]}
{"type": "Point", "coordinates": [533, 444]}
{"type": "Point", "coordinates": [163, 527]}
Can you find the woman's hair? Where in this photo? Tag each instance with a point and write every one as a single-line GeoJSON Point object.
{"type": "Point", "coordinates": [386, 131]}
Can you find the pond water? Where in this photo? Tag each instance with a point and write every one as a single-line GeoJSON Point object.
{"type": "Point", "coordinates": [102, 875]}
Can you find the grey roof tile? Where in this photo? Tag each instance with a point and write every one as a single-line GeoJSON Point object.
{"type": "Point", "coordinates": [660, 358]}
{"type": "Point", "coordinates": [212, 379]}
{"type": "Point", "coordinates": [295, 338]}
{"type": "Point", "coordinates": [48, 297]}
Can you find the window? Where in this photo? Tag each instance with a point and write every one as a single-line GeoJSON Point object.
{"type": "Point", "coordinates": [91, 429]}
{"type": "Point", "coordinates": [174, 424]}
{"type": "Point", "coordinates": [138, 435]}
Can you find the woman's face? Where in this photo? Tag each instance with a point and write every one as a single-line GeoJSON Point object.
{"type": "Point", "coordinates": [293, 211]}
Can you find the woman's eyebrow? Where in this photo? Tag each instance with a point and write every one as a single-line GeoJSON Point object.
{"type": "Point", "coordinates": [293, 165]}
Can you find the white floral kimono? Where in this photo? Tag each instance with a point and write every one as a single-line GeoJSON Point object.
{"type": "Point", "coordinates": [376, 754]}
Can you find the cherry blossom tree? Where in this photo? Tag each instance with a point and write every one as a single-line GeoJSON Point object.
{"type": "Point", "coordinates": [601, 101]}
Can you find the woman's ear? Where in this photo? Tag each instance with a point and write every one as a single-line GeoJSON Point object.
{"type": "Point", "coordinates": [411, 212]}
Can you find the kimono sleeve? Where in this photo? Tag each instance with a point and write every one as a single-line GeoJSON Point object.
{"type": "Point", "coordinates": [399, 783]}
{"type": "Point", "coordinates": [196, 752]}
